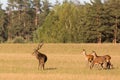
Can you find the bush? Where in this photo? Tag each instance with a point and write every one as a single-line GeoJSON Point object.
{"type": "Point", "coordinates": [18, 40]}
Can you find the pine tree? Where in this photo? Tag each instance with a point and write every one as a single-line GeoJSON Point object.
{"type": "Point", "coordinates": [3, 25]}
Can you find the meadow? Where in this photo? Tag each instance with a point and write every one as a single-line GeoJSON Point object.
{"type": "Point", "coordinates": [65, 62]}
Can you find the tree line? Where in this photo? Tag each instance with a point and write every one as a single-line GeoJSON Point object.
{"type": "Point", "coordinates": [67, 22]}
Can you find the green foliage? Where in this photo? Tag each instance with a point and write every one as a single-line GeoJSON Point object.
{"type": "Point", "coordinates": [59, 24]}
{"type": "Point", "coordinates": [67, 22]}
{"type": "Point", "coordinates": [25, 17]}
{"type": "Point", "coordinates": [18, 40]}
{"type": "Point", "coordinates": [3, 26]}
{"type": "Point", "coordinates": [71, 22]}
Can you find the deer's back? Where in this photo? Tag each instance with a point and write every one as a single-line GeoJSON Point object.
{"type": "Point", "coordinates": [99, 59]}
{"type": "Point", "coordinates": [42, 56]}
{"type": "Point", "coordinates": [107, 57]}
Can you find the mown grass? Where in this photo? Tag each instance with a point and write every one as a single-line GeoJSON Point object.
{"type": "Point", "coordinates": [64, 62]}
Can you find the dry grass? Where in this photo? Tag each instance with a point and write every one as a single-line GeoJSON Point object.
{"type": "Point", "coordinates": [64, 62]}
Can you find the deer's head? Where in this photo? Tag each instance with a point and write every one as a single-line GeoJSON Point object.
{"type": "Point", "coordinates": [36, 50]}
{"type": "Point", "coordinates": [83, 52]}
{"type": "Point", "coordinates": [94, 53]}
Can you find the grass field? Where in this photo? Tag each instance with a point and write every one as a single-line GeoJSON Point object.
{"type": "Point", "coordinates": [64, 62]}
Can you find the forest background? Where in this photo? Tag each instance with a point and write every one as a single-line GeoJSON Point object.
{"type": "Point", "coordinates": [25, 21]}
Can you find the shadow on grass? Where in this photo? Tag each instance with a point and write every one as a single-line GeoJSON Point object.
{"type": "Point", "coordinates": [50, 68]}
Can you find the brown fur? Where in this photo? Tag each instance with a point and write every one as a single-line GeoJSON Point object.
{"type": "Point", "coordinates": [98, 60]}
{"type": "Point", "coordinates": [89, 57]}
{"type": "Point", "coordinates": [107, 59]}
{"type": "Point", "coordinates": [42, 58]}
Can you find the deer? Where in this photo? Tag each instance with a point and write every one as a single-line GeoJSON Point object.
{"type": "Point", "coordinates": [102, 60]}
{"type": "Point", "coordinates": [88, 57]}
{"type": "Point", "coordinates": [108, 58]}
{"type": "Point", "coordinates": [42, 58]}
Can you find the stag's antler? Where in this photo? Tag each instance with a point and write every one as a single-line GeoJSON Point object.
{"type": "Point", "coordinates": [39, 45]}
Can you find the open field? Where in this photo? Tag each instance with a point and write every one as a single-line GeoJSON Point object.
{"type": "Point", "coordinates": [64, 62]}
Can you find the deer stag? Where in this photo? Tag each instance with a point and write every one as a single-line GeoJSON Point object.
{"type": "Point", "coordinates": [42, 58]}
{"type": "Point", "coordinates": [101, 60]}
{"type": "Point", "coordinates": [88, 57]}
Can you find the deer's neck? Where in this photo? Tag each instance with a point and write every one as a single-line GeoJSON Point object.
{"type": "Point", "coordinates": [37, 53]}
{"type": "Point", "coordinates": [95, 55]}
{"type": "Point", "coordinates": [84, 53]}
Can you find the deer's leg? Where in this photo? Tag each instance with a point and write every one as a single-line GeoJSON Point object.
{"type": "Point", "coordinates": [97, 65]}
{"type": "Point", "coordinates": [108, 64]}
{"type": "Point", "coordinates": [39, 65]}
{"type": "Point", "coordinates": [43, 66]}
{"type": "Point", "coordinates": [105, 65]}
{"type": "Point", "coordinates": [102, 65]}
{"type": "Point", "coordinates": [91, 66]}
{"type": "Point", "coordinates": [111, 66]}
{"type": "Point", "coordinates": [89, 61]}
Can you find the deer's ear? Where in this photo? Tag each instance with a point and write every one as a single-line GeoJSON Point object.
{"type": "Point", "coordinates": [39, 45]}
{"type": "Point", "coordinates": [93, 51]}
{"type": "Point", "coordinates": [83, 49]}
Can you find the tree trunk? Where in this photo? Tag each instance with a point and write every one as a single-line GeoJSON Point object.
{"type": "Point", "coordinates": [115, 32]}
{"type": "Point", "coordinates": [99, 38]}
{"type": "Point", "coordinates": [36, 17]}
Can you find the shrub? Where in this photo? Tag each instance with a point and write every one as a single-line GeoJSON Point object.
{"type": "Point", "coordinates": [18, 40]}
